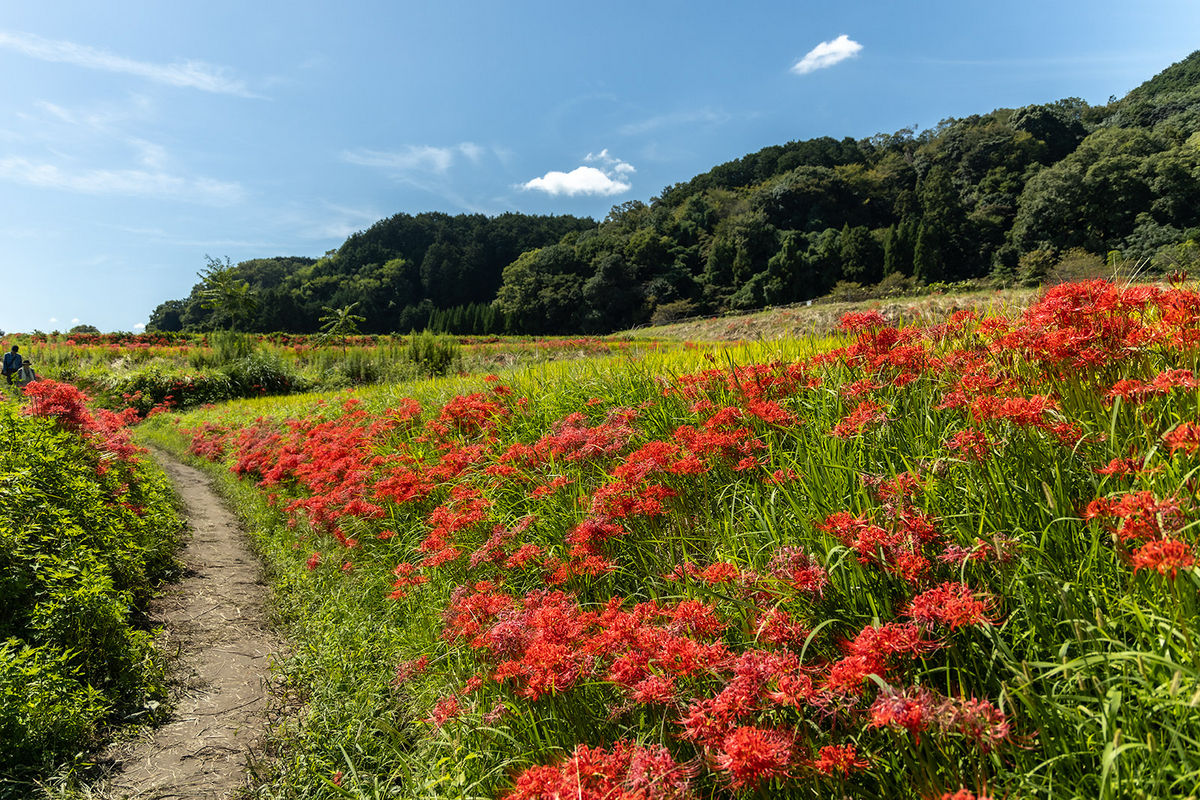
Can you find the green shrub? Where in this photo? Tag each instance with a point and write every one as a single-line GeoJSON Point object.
{"type": "Point", "coordinates": [433, 354]}
{"type": "Point", "coordinates": [231, 346]}
{"type": "Point", "coordinates": [262, 373]}
{"type": "Point", "coordinates": [86, 534]}
{"type": "Point", "coordinates": [46, 712]}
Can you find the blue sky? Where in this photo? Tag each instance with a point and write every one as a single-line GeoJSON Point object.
{"type": "Point", "coordinates": [138, 137]}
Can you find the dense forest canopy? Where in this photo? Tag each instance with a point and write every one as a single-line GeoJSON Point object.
{"type": "Point", "coordinates": [1004, 195]}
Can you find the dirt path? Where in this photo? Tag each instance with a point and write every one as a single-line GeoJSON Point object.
{"type": "Point", "coordinates": [214, 626]}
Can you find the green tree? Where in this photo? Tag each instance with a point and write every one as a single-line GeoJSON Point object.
{"type": "Point", "coordinates": [862, 256]}
{"type": "Point", "coordinates": [339, 323]}
{"type": "Point", "coordinates": [225, 293]}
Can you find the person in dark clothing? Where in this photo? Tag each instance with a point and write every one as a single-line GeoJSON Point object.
{"type": "Point", "coordinates": [12, 363]}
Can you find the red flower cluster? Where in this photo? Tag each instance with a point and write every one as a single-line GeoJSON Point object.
{"type": "Point", "coordinates": [627, 772]}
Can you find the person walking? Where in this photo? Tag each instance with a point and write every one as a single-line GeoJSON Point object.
{"type": "Point", "coordinates": [12, 363]}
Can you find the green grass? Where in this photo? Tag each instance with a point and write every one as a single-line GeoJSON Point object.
{"type": "Point", "coordinates": [1087, 667]}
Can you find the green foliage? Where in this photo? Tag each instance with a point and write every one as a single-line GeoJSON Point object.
{"type": "Point", "coordinates": [85, 536]}
{"type": "Point", "coordinates": [263, 373]}
{"type": "Point", "coordinates": [433, 354]}
{"type": "Point", "coordinates": [960, 201]}
{"type": "Point", "coordinates": [339, 323]}
{"type": "Point", "coordinates": [222, 291]}
{"type": "Point", "coordinates": [230, 346]}
{"type": "Point", "coordinates": [1088, 660]}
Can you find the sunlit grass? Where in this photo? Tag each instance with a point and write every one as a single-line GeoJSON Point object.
{"type": "Point", "coordinates": [478, 589]}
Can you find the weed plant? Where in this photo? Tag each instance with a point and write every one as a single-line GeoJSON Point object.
{"type": "Point", "coordinates": [86, 533]}
{"type": "Point", "coordinates": [954, 560]}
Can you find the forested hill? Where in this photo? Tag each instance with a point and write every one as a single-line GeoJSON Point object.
{"type": "Point", "coordinates": [1003, 196]}
{"type": "Point", "coordinates": [398, 272]}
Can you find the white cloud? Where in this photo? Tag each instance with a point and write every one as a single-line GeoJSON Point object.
{"type": "Point", "coordinates": [421, 158]}
{"type": "Point", "coordinates": [581, 180]}
{"type": "Point", "coordinates": [52, 319]}
{"type": "Point", "coordinates": [131, 182]}
{"type": "Point", "coordinates": [187, 74]}
{"type": "Point", "coordinates": [75, 321]}
{"type": "Point", "coordinates": [611, 177]}
{"type": "Point", "coordinates": [826, 54]}
{"type": "Point", "coordinates": [141, 326]}
{"type": "Point", "coordinates": [615, 164]}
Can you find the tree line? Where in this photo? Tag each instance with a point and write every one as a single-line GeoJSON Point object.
{"type": "Point", "coordinates": [1002, 196]}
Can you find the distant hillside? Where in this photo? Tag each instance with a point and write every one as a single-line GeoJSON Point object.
{"type": "Point", "coordinates": [398, 272]}
{"type": "Point", "coordinates": [1004, 196]}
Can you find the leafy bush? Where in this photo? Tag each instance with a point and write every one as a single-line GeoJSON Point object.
{"type": "Point", "coordinates": [154, 386]}
{"type": "Point", "coordinates": [262, 373]}
{"type": "Point", "coordinates": [433, 354]}
{"type": "Point", "coordinates": [231, 346]}
{"type": "Point", "coordinates": [666, 313]}
{"type": "Point", "coordinates": [86, 532]}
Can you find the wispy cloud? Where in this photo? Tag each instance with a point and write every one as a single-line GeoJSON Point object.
{"type": "Point", "coordinates": [705, 115]}
{"type": "Point", "coordinates": [135, 183]}
{"type": "Point", "coordinates": [826, 54]}
{"type": "Point", "coordinates": [609, 179]}
{"type": "Point", "coordinates": [419, 158]}
{"type": "Point", "coordinates": [186, 74]}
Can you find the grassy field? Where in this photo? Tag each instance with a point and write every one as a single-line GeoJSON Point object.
{"type": "Point", "coordinates": [950, 558]}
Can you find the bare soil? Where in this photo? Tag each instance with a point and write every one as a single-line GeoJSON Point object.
{"type": "Point", "coordinates": [215, 633]}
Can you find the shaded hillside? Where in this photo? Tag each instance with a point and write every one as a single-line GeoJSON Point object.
{"type": "Point", "coordinates": [397, 272]}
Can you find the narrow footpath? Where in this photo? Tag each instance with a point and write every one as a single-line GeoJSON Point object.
{"type": "Point", "coordinates": [215, 632]}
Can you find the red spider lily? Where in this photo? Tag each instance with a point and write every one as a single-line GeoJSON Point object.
{"type": "Point", "coordinates": [1026, 412]}
{"type": "Point", "coordinates": [777, 627]}
{"type": "Point", "coordinates": [314, 561]}
{"type": "Point", "coordinates": [499, 711]}
{"type": "Point", "coordinates": [592, 773]}
{"type": "Point", "coordinates": [913, 710]}
{"type": "Point", "coordinates": [1135, 391]}
{"type": "Point", "coordinates": [1142, 516]}
{"type": "Point", "coordinates": [470, 415]}
{"type": "Point", "coordinates": [771, 412]}
{"type": "Point", "coordinates": [865, 415]}
{"type": "Point", "coordinates": [799, 570]}
{"type": "Point", "coordinates": [977, 720]}
{"type": "Point", "coordinates": [1123, 467]}
{"type": "Point", "coordinates": [572, 440]}
{"type": "Point", "coordinates": [548, 489]}
{"type": "Point", "coordinates": [891, 640]}
{"type": "Point", "coordinates": [523, 556]}
{"type": "Point", "coordinates": [754, 381]}
{"type": "Point", "coordinates": [61, 401]}
{"type": "Point", "coordinates": [971, 444]}
{"type": "Point", "coordinates": [405, 579]}
{"type": "Point", "coordinates": [727, 443]}
{"type": "Point", "coordinates": [957, 554]}
{"type": "Point", "coordinates": [750, 755]}
{"type": "Point", "coordinates": [654, 690]}
{"type": "Point", "coordinates": [1185, 437]}
{"type": "Point", "coordinates": [839, 760]}
{"type": "Point", "coordinates": [622, 499]}
{"type": "Point", "coordinates": [859, 388]}
{"type": "Point", "coordinates": [1165, 556]}
{"type": "Point", "coordinates": [858, 533]}
{"type": "Point", "coordinates": [446, 709]}
{"type": "Point", "coordinates": [855, 322]}
{"type": "Point", "coordinates": [964, 794]}
{"type": "Point", "coordinates": [952, 604]}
